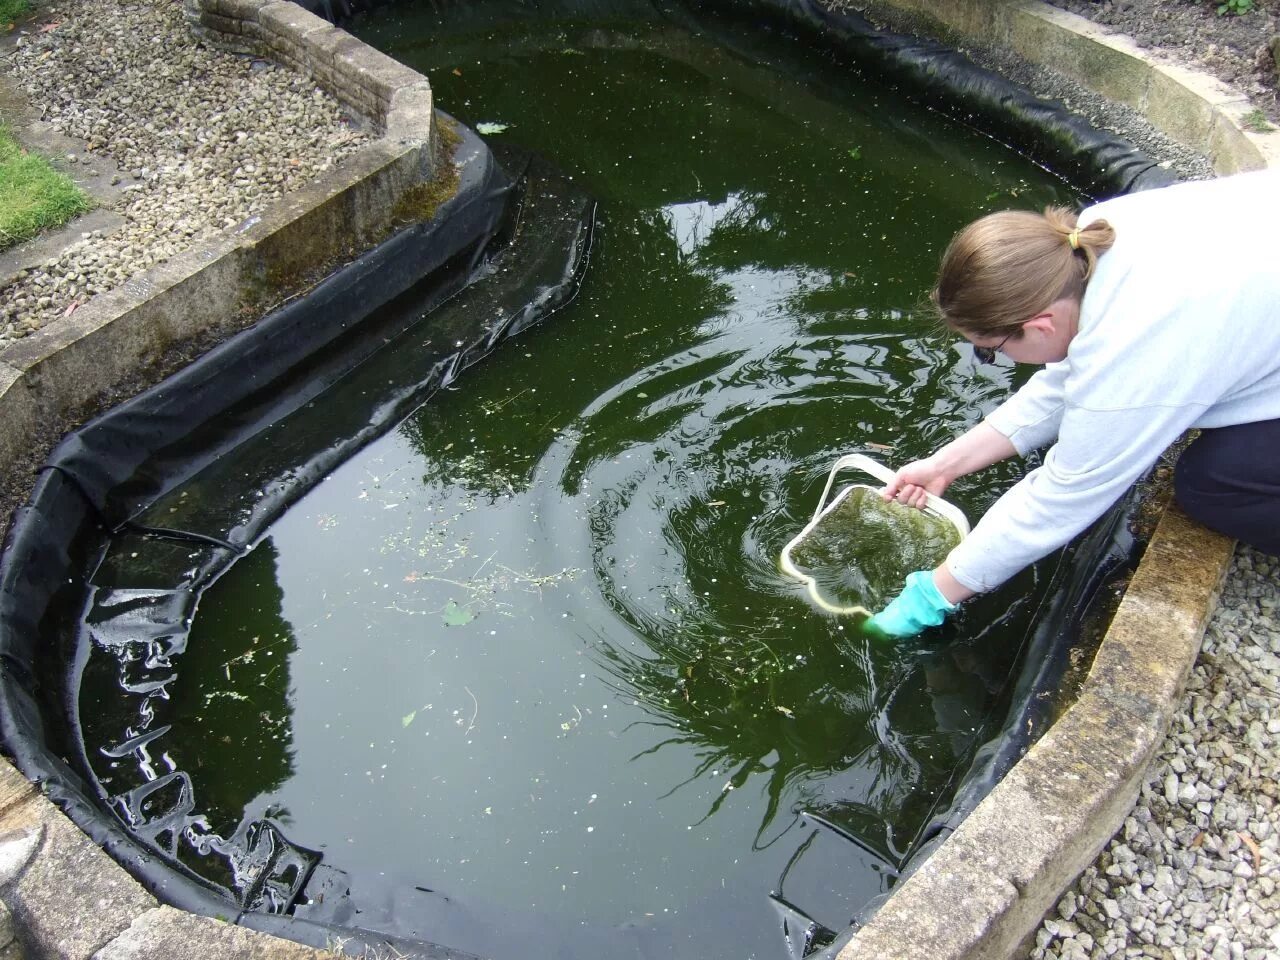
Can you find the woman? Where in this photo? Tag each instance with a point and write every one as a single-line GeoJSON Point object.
{"type": "Point", "coordinates": [1153, 313]}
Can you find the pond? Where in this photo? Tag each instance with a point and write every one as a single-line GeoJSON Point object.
{"type": "Point", "coordinates": [525, 668]}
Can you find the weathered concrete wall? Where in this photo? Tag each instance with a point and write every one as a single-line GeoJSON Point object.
{"type": "Point", "coordinates": [1192, 108]}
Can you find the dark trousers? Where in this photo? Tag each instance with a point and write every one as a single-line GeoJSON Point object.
{"type": "Point", "coordinates": [1229, 480]}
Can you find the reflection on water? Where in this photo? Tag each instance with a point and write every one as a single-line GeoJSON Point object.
{"type": "Point", "coordinates": [528, 664]}
{"type": "Point", "coordinates": [232, 693]}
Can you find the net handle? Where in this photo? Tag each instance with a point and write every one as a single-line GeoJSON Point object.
{"type": "Point", "coordinates": [811, 585]}
{"type": "Point", "coordinates": [879, 471]}
{"type": "Point", "coordinates": [886, 476]}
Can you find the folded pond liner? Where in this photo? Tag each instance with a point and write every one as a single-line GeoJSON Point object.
{"type": "Point", "coordinates": [116, 470]}
{"type": "Point", "coordinates": [1099, 163]}
{"type": "Point", "coordinates": [474, 292]}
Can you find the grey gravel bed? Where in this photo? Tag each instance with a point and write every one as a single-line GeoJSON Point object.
{"type": "Point", "coordinates": [1194, 871]}
{"type": "Point", "coordinates": [202, 140]}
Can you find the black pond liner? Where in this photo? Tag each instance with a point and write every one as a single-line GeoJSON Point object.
{"type": "Point", "coordinates": [103, 478]}
{"type": "Point", "coordinates": [506, 251]}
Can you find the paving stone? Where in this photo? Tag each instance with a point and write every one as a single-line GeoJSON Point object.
{"type": "Point", "coordinates": [6, 926]}
{"type": "Point", "coordinates": [169, 934]}
{"type": "Point", "coordinates": [16, 849]}
{"type": "Point", "coordinates": [72, 898]}
{"type": "Point", "coordinates": [14, 787]}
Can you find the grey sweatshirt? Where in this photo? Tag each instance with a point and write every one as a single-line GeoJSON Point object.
{"type": "Point", "coordinates": [1179, 328]}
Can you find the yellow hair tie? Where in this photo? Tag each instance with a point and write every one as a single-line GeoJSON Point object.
{"type": "Point", "coordinates": [1073, 238]}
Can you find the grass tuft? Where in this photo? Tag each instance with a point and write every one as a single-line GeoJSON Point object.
{"type": "Point", "coordinates": [33, 195]}
{"type": "Point", "coordinates": [1256, 121]}
{"type": "Point", "coordinates": [11, 10]}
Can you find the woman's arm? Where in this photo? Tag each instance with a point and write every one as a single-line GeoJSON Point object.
{"type": "Point", "coordinates": [977, 448]}
{"type": "Point", "coordinates": [952, 589]}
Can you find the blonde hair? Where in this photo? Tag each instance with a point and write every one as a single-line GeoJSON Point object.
{"type": "Point", "coordinates": [1006, 267]}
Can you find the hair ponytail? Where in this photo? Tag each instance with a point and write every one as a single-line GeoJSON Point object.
{"type": "Point", "coordinates": [1006, 267]}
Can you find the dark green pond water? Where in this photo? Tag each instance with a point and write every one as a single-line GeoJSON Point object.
{"type": "Point", "coordinates": [530, 655]}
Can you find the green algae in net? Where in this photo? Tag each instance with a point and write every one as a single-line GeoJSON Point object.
{"type": "Point", "coordinates": [856, 551]}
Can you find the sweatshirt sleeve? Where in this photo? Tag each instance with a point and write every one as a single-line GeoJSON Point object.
{"type": "Point", "coordinates": [1032, 417]}
{"type": "Point", "coordinates": [1099, 453]}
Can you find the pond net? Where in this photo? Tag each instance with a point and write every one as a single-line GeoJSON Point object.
{"type": "Point", "coordinates": [856, 551]}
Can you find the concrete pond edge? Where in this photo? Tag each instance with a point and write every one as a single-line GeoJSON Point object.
{"type": "Point", "coordinates": [1190, 107]}
{"type": "Point", "coordinates": [53, 375]}
{"type": "Point", "coordinates": [985, 890]}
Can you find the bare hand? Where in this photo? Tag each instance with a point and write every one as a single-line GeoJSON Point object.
{"type": "Point", "coordinates": [912, 483]}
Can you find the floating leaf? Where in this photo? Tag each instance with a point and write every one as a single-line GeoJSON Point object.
{"type": "Point", "coordinates": [408, 718]}
{"type": "Point", "coordinates": [855, 153]}
{"type": "Point", "coordinates": [456, 616]}
{"type": "Point", "coordinates": [489, 129]}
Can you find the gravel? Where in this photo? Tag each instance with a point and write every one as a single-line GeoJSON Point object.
{"type": "Point", "coordinates": [1194, 871]}
{"type": "Point", "coordinates": [201, 140]}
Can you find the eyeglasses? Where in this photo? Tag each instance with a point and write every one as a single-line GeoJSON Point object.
{"type": "Point", "coordinates": [988, 354]}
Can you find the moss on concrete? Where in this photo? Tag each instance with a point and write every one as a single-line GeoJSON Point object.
{"type": "Point", "coordinates": [422, 201]}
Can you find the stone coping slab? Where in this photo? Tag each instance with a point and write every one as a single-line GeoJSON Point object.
{"type": "Point", "coordinates": [984, 891]}
{"type": "Point", "coordinates": [1193, 108]}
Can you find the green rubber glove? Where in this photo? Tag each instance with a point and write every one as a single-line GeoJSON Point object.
{"type": "Point", "coordinates": [919, 605]}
